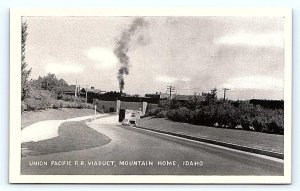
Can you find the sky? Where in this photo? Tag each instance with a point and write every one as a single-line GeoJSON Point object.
{"type": "Point", "coordinates": [193, 54]}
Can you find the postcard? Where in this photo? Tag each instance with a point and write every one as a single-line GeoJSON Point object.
{"type": "Point", "coordinates": [179, 96]}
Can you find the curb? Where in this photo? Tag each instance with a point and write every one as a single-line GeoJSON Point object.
{"type": "Point", "coordinates": [220, 143]}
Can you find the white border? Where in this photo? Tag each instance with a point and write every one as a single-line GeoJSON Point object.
{"type": "Point", "coordinates": [15, 94]}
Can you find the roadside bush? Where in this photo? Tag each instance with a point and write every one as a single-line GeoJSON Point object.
{"type": "Point", "coordinates": [182, 114]}
{"type": "Point", "coordinates": [85, 105]}
{"type": "Point", "coordinates": [227, 115]}
{"type": "Point", "coordinates": [23, 106]}
{"type": "Point", "coordinates": [71, 105]}
{"type": "Point", "coordinates": [153, 112]}
{"type": "Point", "coordinates": [162, 114]}
{"type": "Point", "coordinates": [39, 98]}
{"type": "Point", "coordinates": [44, 100]}
{"type": "Point", "coordinates": [101, 110]}
{"type": "Point", "coordinates": [33, 104]}
{"type": "Point", "coordinates": [57, 104]}
{"type": "Point", "coordinates": [172, 114]}
{"type": "Point", "coordinates": [156, 112]}
{"type": "Point", "coordinates": [165, 103]}
{"type": "Point", "coordinates": [69, 98]}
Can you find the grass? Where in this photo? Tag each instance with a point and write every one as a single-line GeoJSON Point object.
{"type": "Point", "coordinates": [72, 136]}
{"type": "Point", "coordinates": [31, 117]}
{"type": "Point", "coordinates": [259, 140]}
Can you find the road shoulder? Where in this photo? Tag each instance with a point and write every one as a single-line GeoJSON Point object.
{"type": "Point", "coordinates": [254, 142]}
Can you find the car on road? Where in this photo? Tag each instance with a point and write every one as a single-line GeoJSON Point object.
{"type": "Point", "coordinates": [131, 121]}
{"type": "Point", "coordinates": [125, 122]}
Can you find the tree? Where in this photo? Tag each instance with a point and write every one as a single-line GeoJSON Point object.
{"type": "Point", "coordinates": [194, 102]}
{"type": "Point", "coordinates": [24, 71]}
{"type": "Point", "coordinates": [37, 84]}
{"type": "Point", "coordinates": [43, 82]}
{"type": "Point", "coordinates": [60, 85]}
{"type": "Point", "coordinates": [212, 96]}
{"type": "Point", "coordinates": [51, 83]}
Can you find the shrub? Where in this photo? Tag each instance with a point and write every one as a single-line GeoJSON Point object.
{"type": "Point", "coordinates": [180, 114]}
{"type": "Point", "coordinates": [57, 104]}
{"type": "Point", "coordinates": [162, 114]}
{"type": "Point", "coordinates": [23, 106]}
{"type": "Point", "coordinates": [171, 114]}
{"type": "Point", "coordinates": [100, 110]}
{"type": "Point", "coordinates": [33, 104]}
{"type": "Point", "coordinates": [183, 114]}
{"type": "Point", "coordinates": [153, 112]}
{"type": "Point", "coordinates": [44, 99]}
{"type": "Point", "coordinates": [71, 105]}
{"type": "Point", "coordinates": [38, 100]}
{"type": "Point", "coordinates": [69, 98]}
{"type": "Point", "coordinates": [228, 115]}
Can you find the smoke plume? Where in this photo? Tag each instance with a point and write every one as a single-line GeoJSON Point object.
{"type": "Point", "coordinates": [122, 48]}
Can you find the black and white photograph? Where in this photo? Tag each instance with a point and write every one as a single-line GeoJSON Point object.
{"type": "Point", "coordinates": [185, 96]}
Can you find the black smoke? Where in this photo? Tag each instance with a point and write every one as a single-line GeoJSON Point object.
{"type": "Point", "coordinates": [122, 48]}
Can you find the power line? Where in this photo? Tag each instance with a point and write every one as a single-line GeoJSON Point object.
{"type": "Point", "coordinates": [231, 90]}
{"type": "Point", "coordinates": [257, 90]}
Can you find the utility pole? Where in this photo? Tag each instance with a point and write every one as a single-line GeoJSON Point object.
{"type": "Point", "coordinates": [171, 89]}
{"type": "Point", "coordinates": [78, 90]}
{"type": "Point", "coordinates": [75, 92]}
{"type": "Point", "coordinates": [225, 89]}
{"type": "Point", "coordinates": [86, 91]}
{"type": "Point", "coordinates": [86, 86]}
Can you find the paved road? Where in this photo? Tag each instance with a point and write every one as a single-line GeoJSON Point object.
{"type": "Point", "coordinates": [154, 154]}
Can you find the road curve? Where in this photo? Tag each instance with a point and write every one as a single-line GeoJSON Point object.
{"type": "Point", "coordinates": [139, 148]}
